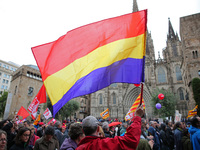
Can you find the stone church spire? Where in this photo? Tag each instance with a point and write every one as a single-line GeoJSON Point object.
{"type": "Point", "coordinates": [171, 34]}
{"type": "Point", "coordinates": [135, 6]}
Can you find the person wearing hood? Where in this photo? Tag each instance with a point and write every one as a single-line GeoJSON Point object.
{"type": "Point", "coordinates": [163, 137]}
{"type": "Point", "coordinates": [75, 135]}
{"type": "Point", "coordinates": [152, 131]}
{"type": "Point", "coordinates": [194, 131]}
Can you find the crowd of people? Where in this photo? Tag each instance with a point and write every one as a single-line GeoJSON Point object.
{"type": "Point", "coordinates": [94, 134]}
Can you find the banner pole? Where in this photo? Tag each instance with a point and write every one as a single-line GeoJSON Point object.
{"type": "Point", "coordinates": [142, 84]}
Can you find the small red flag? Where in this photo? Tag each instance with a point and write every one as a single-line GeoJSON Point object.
{"type": "Point", "coordinates": [41, 96]}
{"type": "Point", "coordinates": [23, 112]}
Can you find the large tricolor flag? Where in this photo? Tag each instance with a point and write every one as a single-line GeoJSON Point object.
{"type": "Point", "coordinates": [131, 111]}
{"type": "Point", "coordinates": [105, 114]}
{"type": "Point", "coordinates": [192, 112]}
{"type": "Point", "coordinates": [92, 57]}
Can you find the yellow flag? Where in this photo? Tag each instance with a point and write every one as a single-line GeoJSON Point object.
{"type": "Point", "coordinates": [37, 120]}
{"type": "Point", "coordinates": [192, 112]}
{"type": "Point", "coordinates": [131, 111]}
{"type": "Point", "coordinates": [105, 114]}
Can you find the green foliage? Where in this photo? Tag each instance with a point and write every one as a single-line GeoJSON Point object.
{"type": "Point", "coordinates": [67, 110]}
{"type": "Point", "coordinates": [196, 92]}
{"type": "Point", "coordinates": [168, 103]}
{"type": "Point", "coordinates": [3, 99]}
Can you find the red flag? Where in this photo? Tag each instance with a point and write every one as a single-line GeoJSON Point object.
{"type": "Point", "coordinates": [23, 112]}
{"type": "Point", "coordinates": [47, 114]}
{"type": "Point", "coordinates": [41, 96]}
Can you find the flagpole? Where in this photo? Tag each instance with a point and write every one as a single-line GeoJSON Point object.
{"type": "Point", "coordinates": [141, 93]}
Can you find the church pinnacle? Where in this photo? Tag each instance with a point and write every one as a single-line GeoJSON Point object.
{"type": "Point", "coordinates": [171, 34]}
{"type": "Point", "coordinates": [135, 6]}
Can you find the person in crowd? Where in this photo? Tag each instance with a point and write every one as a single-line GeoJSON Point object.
{"type": "Point", "coordinates": [184, 125]}
{"type": "Point", "coordinates": [7, 127]}
{"type": "Point", "coordinates": [143, 129]}
{"type": "Point", "coordinates": [40, 130]}
{"type": "Point", "coordinates": [129, 141]}
{"type": "Point", "coordinates": [146, 142]}
{"type": "Point", "coordinates": [22, 139]}
{"type": "Point", "coordinates": [178, 134]}
{"type": "Point", "coordinates": [58, 133]}
{"type": "Point", "coordinates": [105, 128]}
{"type": "Point", "coordinates": [75, 136]}
{"type": "Point", "coordinates": [170, 134]}
{"type": "Point", "coordinates": [117, 128]}
{"type": "Point", "coordinates": [124, 127]}
{"type": "Point", "coordinates": [63, 129]}
{"type": "Point", "coordinates": [112, 131]}
{"type": "Point", "coordinates": [48, 141]}
{"type": "Point", "coordinates": [27, 123]}
{"type": "Point", "coordinates": [3, 123]}
{"type": "Point", "coordinates": [152, 131]}
{"type": "Point", "coordinates": [3, 140]}
{"type": "Point", "coordinates": [163, 137]}
{"type": "Point", "coordinates": [186, 140]}
{"type": "Point", "coordinates": [194, 131]}
{"type": "Point", "coordinates": [101, 132]}
{"type": "Point", "coordinates": [33, 138]}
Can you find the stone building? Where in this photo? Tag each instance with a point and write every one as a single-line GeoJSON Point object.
{"type": "Point", "coordinates": [175, 70]}
{"type": "Point", "coordinates": [25, 84]}
{"type": "Point", "coordinates": [6, 69]}
{"type": "Point", "coordinates": [190, 40]}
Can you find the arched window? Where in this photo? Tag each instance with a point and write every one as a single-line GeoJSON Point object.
{"type": "Point", "coordinates": [100, 98]}
{"type": "Point", "coordinates": [161, 75]}
{"type": "Point", "coordinates": [181, 94]}
{"type": "Point", "coordinates": [178, 74]}
{"type": "Point", "coordinates": [114, 98]}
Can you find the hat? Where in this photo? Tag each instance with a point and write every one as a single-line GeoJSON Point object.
{"type": "Point", "coordinates": [90, 121]}
{"type": "Point", "coordinates": [41, 123]}
{"type": "Point", "coordinates": [105, 125]}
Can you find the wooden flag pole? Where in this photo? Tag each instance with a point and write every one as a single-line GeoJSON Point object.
{"type": "Point", "coordinates": [141, 93]}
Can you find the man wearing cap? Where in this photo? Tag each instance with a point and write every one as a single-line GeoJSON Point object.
{"type": "Point", "coordinates": [93, 142]}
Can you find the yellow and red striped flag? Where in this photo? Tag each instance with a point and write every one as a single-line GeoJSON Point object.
{"type": "Point", "coordinates": [37, 120]}
{"type": "Point", "coordinates": [131, 111]}
{"type": "Point", "coordinates": [105, 114]}
{"type": "Point", "coordinates": [192, 112]}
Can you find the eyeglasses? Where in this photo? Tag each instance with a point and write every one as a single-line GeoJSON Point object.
{"type": "Point", "coordinates": [1, 140]}
{"type": "Point", "coordinates": [26, 134]}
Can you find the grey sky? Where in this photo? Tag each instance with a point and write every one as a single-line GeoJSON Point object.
{"type": "Point", "coordinates": [28, 23]}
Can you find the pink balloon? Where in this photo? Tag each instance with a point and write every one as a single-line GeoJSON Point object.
{"type": "Point", "coordinates": [161, 96]}
{"type": "Point", "coordinates": [158, 106]}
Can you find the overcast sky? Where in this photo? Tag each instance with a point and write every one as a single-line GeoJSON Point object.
{"type": "Point", "coordinates": [28, 23]}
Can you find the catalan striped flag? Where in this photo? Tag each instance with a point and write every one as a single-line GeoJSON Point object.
{"type": "Point", "coordinates": [131, 111]}
{"type": "Point", "coordinates": [105, 114]}
{"type": "Point", "coordinates": [92, 57]}
{"type": "Point", "coordinates": [192, 112]}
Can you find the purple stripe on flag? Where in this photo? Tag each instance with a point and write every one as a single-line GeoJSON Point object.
{"type": "Point", "coordinates": [125, 71]}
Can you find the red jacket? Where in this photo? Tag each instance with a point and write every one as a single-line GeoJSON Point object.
{"type": "Point", "coordinates": [127, 142]}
